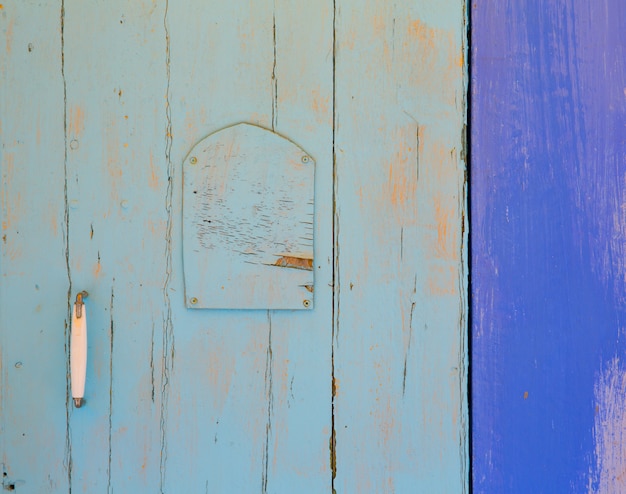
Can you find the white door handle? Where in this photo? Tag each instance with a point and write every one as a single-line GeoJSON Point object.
{"type": "Point", "coordinates": [78, 349]}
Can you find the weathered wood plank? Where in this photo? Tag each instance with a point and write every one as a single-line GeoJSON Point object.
{"type": "Point", "coordinates": [220, 66]}
{"type": "Point", "coordinates": [33, 278]}
{"type": "Point", "coordinates": [301, 346]}
{"type": "Point", "coordinates": [400, 329]}
{"type": "Point", "coordinates": [182, 400]}
{"type": "Point", "coordinates": [548, 194]}
{"type": "Point", "coordinates": [117, 188]}
{"type": "Point", "coordinates": [259, 417]}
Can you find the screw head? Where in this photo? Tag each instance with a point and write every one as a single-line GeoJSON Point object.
{"type": "Point", "coordinates": [193, 160]}
{"type": "Point", "coordinates": [306, 303]}
{"type": "Point", "coordinates": [305, 159]}
{"type": "Point", "coordinates": [193, 300]}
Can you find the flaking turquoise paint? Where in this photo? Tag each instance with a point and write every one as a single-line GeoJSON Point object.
{"type": "Point", "coordinates": [99, 107]}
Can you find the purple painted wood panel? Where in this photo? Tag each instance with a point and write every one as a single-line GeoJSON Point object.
{"type": "Point", "coordinates": [548, 205]}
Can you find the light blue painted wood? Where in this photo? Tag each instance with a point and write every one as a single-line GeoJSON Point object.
{"type": "Point", "coordinates": [400, 319]}
{"type": "Point", "coordinates": [248, 207]}
{"type": "Point", "coordinates": [33, 281]}
{"type": "Point", "coordinates": [362, 393]}
{"type": "Point", "coordinates": [260, 419]}
{"type": "Point", "coordinates": [116, 191]}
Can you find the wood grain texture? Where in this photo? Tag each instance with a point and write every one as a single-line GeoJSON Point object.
{"type": "Point", "coordinates": [117, 191]}
{"type": "Point", "coordinates": [400, 315]}
{"type": "Point", "coordinates": [548, 194]}
{"type": "Point", "coordinates": [364, 392]}
{"type": "Point", "coordinates": [34, 309]}
{"type": "Point", "coordinates": [248, 221]}
{"type": "Point", "coordinates": [263, 421]}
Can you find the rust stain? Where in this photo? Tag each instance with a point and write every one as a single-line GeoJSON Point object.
{"type": "Point", "coordinates": [246, 35]}
{"type": "Point", "coordinates": [321, 106]}
{"type": "Point", "coordinates": [424, 34]}
{"type": "Point", "coordinates": [8, 207]}
{"type": "Point", "coordinates": [379, 25]}
{"type": "Point", "coordinates": [525, 395]}
{"type": "Point", "coordinates": [54, 225]}
{"type": "Point", "coordinates": [262, 119]}
{"type": "Point", "coordinates": [446, 230]}
{"type": "Point", "coordinates": [284, 373]}
{"type": "Point", "coordinates": [76, 122]}
{"type": "Point", "coordinates": [9, 37]}
{"type": "Point", "coordinates": [445, 159]}
{"type": "Point", "coordinates": [349, 40]}
{"type": "Point", "coordinates": [191, 128]}
{"type": "Point", "coordinates": [115, 172]}
{"type": "Point", "coordinates": [153, 180]}
{"type": "Point", "coordinates": [114, 164]}
{"type": "Point", "coordinates": [402, 178]}
{"type": "Point", "coordinates": [461, 58]}
{"type": "Point", "coordinates": [157, 228]}
{"type": "Point", "coordinates": [442, 280]}
{"type": "Point", "coordinates": [296, 261]}
{"type": "Point", "coordinates": [38, 134]}
{"type": "Point", "coordinates": [437, 61]}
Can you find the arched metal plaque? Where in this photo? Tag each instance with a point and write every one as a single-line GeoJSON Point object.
{"type": "Point", "coordinates": [248, 221]}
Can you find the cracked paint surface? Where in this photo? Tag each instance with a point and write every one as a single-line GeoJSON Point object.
{"type": "Point", "coordinates": [181, 400]}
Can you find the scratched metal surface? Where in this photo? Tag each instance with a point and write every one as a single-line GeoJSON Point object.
{"type": "Point", "coordinates": [100, 105]}
{"type": "Point", "coordinates": [548, 230]}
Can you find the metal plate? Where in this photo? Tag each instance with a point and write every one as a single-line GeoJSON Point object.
{"type": "Point", "coordinates": [248, 207]}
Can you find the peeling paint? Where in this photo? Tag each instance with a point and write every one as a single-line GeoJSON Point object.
{"type": "Point", "coordinates": [608, 472]}
{"type": "Point", "coordinates": [304, 261]}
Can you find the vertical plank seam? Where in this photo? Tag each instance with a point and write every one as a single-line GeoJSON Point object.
{"type": "Point", "coordinates": [274, 78]}
{"type": "Point", "coordinates": [414, 292]}
{"type": "Point", "coordinates": [465, 271]}
{"type": "Point", "coordinates": [408, 347]}
{"type": "Point", "coordinates": [463, 345]}
{"type": "Point", "coordinates": [111, 329]}
{"type": "Point", "coordinates": [67, 461]}
{"type": "Point", "coordinates": [168, 330]}
{"type": "Point", "coordinates": [269, 393]}
{"type": "Point", "coordinates": [152, 388]}
{"type": "Point", "coordinates": [335, 253]}
{"type": "Point", "coordinates": [417, 146]}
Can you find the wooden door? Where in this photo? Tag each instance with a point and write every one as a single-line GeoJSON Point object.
{"type": "Point", "coordinates": [548, 286]}
{"type": "Point", "coordinates": [364, 389]}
